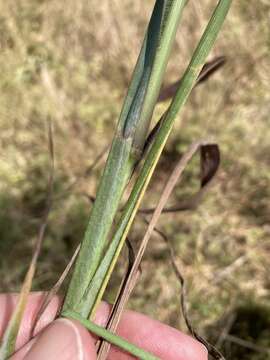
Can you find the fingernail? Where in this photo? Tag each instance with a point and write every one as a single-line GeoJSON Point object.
{"type": "Point", "coordinates": [61, 340]}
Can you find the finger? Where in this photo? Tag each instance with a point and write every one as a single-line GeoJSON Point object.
{"type": "Point", "coordinates": [63, 339]}
{"type": "Point", "coordinates": [7, 305]}
{"type": "Point", "coordinates": [162, 340]}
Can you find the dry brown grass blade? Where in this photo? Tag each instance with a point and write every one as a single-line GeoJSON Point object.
{"type": "Point", "coordinates": [171, 183]}
{"type": "Point", "coordinates": [210, 159]}
{"type": "Point", "coordinates": [212, 350]}
{"type": "Point", "coordinates": [208, 70]}
{"type": "Point", "coordinates": [185, 205]}
{"type": "Point", "coordinates": [226, 328]}
{"type": "Point", "coordinates": [54, 290]}
{"type": "Point", "coordinates": [247, 344]}
{"type": "Point", "coordinates": [118, 307]}
{"type": "Point", "coordinates": [10, 335]}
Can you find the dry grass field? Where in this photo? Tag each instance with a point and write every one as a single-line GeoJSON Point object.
{"type": "Point", "coordinates": [71, 61]}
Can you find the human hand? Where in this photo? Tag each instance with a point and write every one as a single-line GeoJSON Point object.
{"type": "Point", "coordinates": [68, 340]}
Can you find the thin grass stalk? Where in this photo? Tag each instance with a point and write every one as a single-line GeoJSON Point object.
{"type": "Point", "coordinates": [130, 280]}
{"type": "Point", "coordinates": [99, 283]}
{"type": "Point", "coordinates": [110, 337]}
{"type": "Point", "coordinates": [138, 109]}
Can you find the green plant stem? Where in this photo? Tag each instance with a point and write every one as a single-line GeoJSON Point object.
{"type": "Point", "coordinates": [172, 11]}
{"type": "Point", "coordinates": [110, 337]}
{"type": "Point", "coordinates": [114, 179]}
{"type": "Point", "coordinates": [99, 283]}
{"type": "Point", "coordinates": [137, 112]}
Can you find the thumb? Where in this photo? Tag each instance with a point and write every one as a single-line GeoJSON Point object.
{"type": "Point", "coordinates": [63, 339]}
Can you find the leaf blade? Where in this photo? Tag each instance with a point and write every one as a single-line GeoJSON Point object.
{"type": "Point", "coordinates": [189, 80]}
{"type": "Point", "coordinates": [112, 338]}
{"type": "Point", "coordinates": [142, 94]}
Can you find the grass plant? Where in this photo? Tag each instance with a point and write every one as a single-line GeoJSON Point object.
{"type": "Point", "coordinates": [104, 238]}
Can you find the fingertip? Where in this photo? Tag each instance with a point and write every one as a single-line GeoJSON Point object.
{"type": "Point", "coordinates": [63, 339]}
{"type": "Point", "coordinates": [34, 301]}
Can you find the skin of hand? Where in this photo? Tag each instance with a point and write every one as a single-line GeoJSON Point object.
{"type": "Point", "coordinates": [68, 340]}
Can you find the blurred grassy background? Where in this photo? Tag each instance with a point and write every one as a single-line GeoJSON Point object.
{"type": "Point", "coordinates": [71, 62]}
